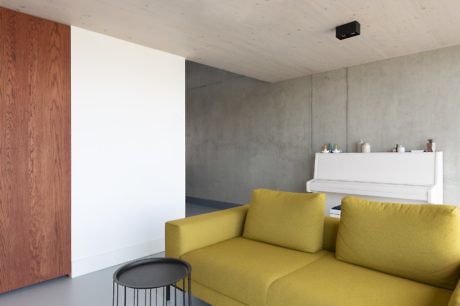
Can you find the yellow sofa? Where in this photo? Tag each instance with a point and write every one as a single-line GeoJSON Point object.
{"type": "Point", "coordinates": [228, 269]}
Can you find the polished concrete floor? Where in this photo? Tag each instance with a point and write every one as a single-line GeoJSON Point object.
{"type": "Point", "coordinates": [192, 209]}
{"type": "Point", "coordinates": [94, 289]}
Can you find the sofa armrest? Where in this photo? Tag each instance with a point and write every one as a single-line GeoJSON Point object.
{"type": "Point", "coordinates": [455, 298]}
{"type": "Point", "coordinates": [188, 234]}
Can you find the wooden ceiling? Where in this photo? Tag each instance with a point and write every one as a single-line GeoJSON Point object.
{"type": "Point", "coordinates": [270, 40]}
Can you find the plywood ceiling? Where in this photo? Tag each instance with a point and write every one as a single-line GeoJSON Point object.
{"type": "Point", "coordinates": [268, 40]}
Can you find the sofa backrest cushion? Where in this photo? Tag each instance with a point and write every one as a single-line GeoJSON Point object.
{"type": "Point", "coordinates": [415, 241]}
{"type": "Point", "coordinates": [288, 219]}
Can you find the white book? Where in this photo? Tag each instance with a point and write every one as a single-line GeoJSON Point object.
{"type": "Point", "coordinates": [335, 211]}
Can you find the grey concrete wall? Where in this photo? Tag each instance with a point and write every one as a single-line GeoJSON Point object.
{"type": "Point", "coordinates": [329, 109]}
{"type": "Point", "coordinates": [243, 133]}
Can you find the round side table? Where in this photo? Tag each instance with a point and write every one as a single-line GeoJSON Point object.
{"type": "Point", "coordinates": [148, 282]}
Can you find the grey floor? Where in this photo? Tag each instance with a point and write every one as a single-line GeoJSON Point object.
{"type": "Point", "coordinates": [94, 289]}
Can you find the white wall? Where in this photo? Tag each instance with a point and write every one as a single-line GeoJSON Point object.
{"type": "Point", "coordinates": [128, 149]}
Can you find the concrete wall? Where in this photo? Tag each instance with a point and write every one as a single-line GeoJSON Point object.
{"type": "Point", "coordinates": [243, 133]}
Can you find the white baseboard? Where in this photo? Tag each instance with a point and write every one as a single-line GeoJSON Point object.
{"type": "Point", "coordinates": [90, 264]}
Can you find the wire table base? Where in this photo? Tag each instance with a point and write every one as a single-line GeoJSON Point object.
{"type": "Point", "coordinates": [150, 297]}
{"type": "Point", "coordinates": [153, 282]}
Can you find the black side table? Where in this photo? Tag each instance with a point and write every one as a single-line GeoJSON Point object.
{"type": "Point", "coordinates": [148, 282]}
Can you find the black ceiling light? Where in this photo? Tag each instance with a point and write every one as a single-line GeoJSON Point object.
{"type": "Point", "coordinates": [348, 30]}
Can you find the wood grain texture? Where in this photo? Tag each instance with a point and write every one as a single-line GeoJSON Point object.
{"type": "Point", "coordinates": [34, 150]}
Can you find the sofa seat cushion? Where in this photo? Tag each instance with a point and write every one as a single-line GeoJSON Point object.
{"type": "Point", "coordinates": [415, 241]}
{"type": "Point", "coordinates": [212, 297]}
{"type": "Point", "coordinates": [330, 282]}
{"type": "Point", "coordinates": [244, 269]}
{"type": "Point", "coordinates": [455, 298]}
{"type": "Point", "coordinates": [288, 219]}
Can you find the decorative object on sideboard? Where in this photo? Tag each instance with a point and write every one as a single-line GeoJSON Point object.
{"type": "Point", "coordinates": [336, 149]}
{"type": "Point", "coordinates": [329, 148]}
{"type": "Point", "coordinates": [366, 147]}
{"type": "Point", "coordinates": [430, 146]}
{"type": "Point", "coordinates": [400, 148]}
{"type": "Point", "coordinates": [359, 146]}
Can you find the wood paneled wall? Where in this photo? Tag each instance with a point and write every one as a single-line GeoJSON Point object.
{"type": "Point", "coordinates": [34, 150]}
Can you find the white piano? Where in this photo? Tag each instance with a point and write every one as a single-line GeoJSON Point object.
{"type": "Point", "coordinates": [389, 177]}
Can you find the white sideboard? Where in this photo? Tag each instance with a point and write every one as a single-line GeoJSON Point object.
{"type": "Point", "coordinates": [390, 177]}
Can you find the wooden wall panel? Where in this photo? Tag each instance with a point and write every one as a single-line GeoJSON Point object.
{"type": "Point", "coordinates": [34, 150]}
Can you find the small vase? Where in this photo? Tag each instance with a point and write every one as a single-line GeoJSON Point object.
{"type": "Point", "coordinates": [430, 146]}
{"type": "Point", "coordinates": [359, 146]}
{"type": "Point", "coordinates": [366, 148]}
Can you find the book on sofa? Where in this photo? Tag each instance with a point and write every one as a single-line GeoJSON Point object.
{"type": "Point", "coordinates": [335, 211]}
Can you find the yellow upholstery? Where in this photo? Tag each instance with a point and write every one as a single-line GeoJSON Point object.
{"type": "Point", "coordinates": [213, 297]}
{"type": "Point", "coordinates": [418, 242]}
{"type": "Point", "coordinates": [329, 282]}
{"type": "Point", "coordinates": [288, 219]}
{"type": "Point", "coordinates": [188, 234]}
{"type": "Point", "coordinates": [228, 270]}
{"type": "Point", "coordinates": [455, 298]}
{"type": "Point", "coordinates": [244, 269]}
{"type": "Point", "coordinates": [331, 226]}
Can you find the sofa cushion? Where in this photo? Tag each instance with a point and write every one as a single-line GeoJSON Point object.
{"type": "Point", "coordinates": [419, 242]}
{"type": "Point", "coordinates": [455, 298]}
{"type": "Point", "coordinates": [288, 219]}
{"type": "Point", "coordinates": [213, 297]}
{"type": "Point", "coordinates": [330, 282]}
{"type": "Point", "coordinates": [244, 269]}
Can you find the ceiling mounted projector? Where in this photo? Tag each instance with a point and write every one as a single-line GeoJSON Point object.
{"type": "Point", "coordinates": [348, 30]}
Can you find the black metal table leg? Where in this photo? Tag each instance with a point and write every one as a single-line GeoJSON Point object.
{"type": "Point", "coordinates": [168, 293]}
{"type": "Point", "coordinates": [189, 281]}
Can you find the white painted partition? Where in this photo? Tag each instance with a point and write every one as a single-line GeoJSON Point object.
{"type": "Point", "coordinates": [128, 149]}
